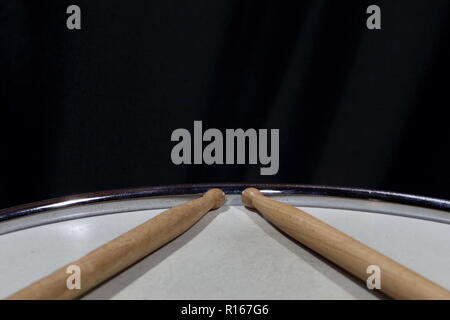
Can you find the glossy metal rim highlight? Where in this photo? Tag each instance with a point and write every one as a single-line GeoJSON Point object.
{"type": "Point", "coordinates": [161, 197]}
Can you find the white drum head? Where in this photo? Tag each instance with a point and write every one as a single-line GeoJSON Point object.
{"type": "Point", "coordinates": [231, 253]}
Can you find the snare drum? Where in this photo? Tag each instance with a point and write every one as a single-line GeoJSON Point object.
{"type": "Point", "coordinates": [232, 252]}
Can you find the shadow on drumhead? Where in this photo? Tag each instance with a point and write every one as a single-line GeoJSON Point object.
{"type": "Point", "coordinates": [122, 280]}
{"type": "Point", "coordinates": [287, 241]}
{"type": "Point", "coordinates": [113, 287]}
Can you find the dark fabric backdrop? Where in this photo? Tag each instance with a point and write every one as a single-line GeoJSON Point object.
{"type": "Point", "coordinates": [94, 109]}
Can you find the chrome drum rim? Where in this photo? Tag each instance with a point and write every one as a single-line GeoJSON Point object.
{"type": "Point", "coordinates": [161, 197]}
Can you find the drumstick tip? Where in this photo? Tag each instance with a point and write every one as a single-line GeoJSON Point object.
{"type": "Point", "coordinates": [247, 196]}
{"type": "Point", "coordinates": [217, 195]}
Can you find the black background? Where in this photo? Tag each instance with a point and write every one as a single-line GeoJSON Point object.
{"type": "Point", "coordinates": [93, 109]}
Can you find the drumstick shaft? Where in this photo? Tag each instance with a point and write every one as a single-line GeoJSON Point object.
{"type": "Point", "coordinates": [397, 281]}
{"type": "Point", "coordinates": [118, 254]}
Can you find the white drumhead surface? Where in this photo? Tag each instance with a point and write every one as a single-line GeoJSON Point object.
{"type": "Point", "coordinates": [232, 253]}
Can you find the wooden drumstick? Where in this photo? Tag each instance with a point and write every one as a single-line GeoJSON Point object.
{"type": "Point", "coordinates": [397, 281]}
{"type": "Point", "coordinates": [104, 262]}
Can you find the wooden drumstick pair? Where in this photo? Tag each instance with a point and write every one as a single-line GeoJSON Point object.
{"type": "Point", "coordinates": [104, 262]}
